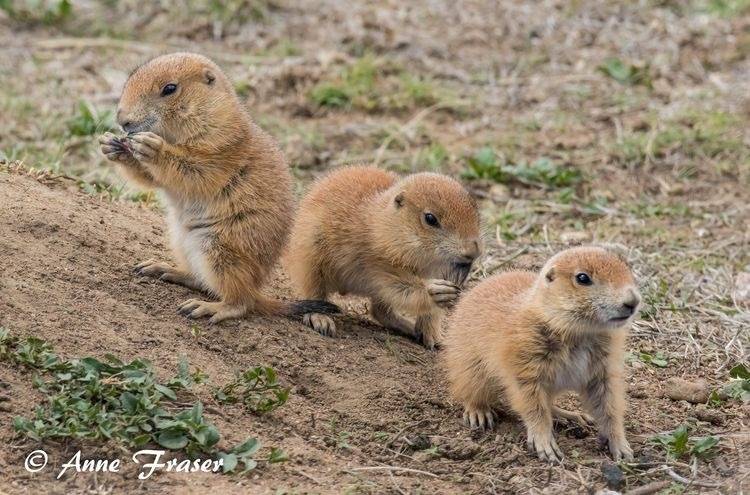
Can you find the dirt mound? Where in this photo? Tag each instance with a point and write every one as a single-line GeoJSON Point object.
{"type": "Point", "coordinates": [367, 400]}
{"type": "Point", "coordinates": [67, 278]}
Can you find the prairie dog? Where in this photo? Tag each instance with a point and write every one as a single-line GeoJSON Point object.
{"type": "Point", "coordinates": [522, 338]}
{"type": "Point", "coordinates": [407, 244]}
{"type": "Point", "coordinates": [227, 187]}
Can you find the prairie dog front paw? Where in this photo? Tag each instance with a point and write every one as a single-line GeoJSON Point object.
{"type": "Point", "coordinates": [146, 146]}
{"type": "Point", "coordinates": [618, 447]}
{"type": "Point", "coordinates": [543, 444]}
{"type": "Point", "coordinates": [116, 149]}
{"type": "Point", "coordinates": [443, 292]}
{"type": "Point", "coordinates": [479, 417]}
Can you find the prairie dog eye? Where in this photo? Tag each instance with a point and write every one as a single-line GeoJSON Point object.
{"type": "Point", "coordinates": [584, 279]}
{"type": "Point", "coordinates": [168, 89]}
{"type": "Point", "coordinates": [431, 220]}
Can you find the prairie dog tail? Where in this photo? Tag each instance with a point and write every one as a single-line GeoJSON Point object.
{"type": "Point", "coordinates": [275, 307]}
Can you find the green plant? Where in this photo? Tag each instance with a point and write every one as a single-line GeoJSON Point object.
{"type": "Point", "coordinates": [37, 11]}
{"type": "Point", "coordinates": [678, 443]}
{"type": "Point", "coordinates": [507, 225]}
{"type": "Point", "coordinates": [625, 73]}
{"type": "Point", "coordinates": [658, 359]}
{"type": "Point", "coordinates": [544, 172]}
{"type": "Point", "coordinates": [725, 8]}
{"type": "Point", "coordinates": [375, 84]}
{"type": "Point", "coordinates": [88, 121]}
{"type": "Point", "coordinates": [98, 400]}
{"type": "Point", "coordinates": [184, 378]}
{"type": "Point", "coordinates": [486, 164]}
{"type": "Point", "coordinates": [328, 95]}
{"type": "Point", "coordinates": [257, 389]}
{"type": "Point", "coordinates": [738, 387]}
{"type": "Point", "coordinates": [432, 157]}
{"type": "Point", "coordinates": [356, 84]}
{"type": "Point", "coordinates": [710, 135]}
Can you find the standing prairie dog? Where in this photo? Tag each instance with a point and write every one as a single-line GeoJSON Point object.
{"type": "Point", "coordinates": [407, 244]}
{"type": "Point", "coordinates": [523, 338]}
{"type": "Point", "coordinates": [227, 187]}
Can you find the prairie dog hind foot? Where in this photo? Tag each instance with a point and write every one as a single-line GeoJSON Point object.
{"type": "Point", "coordinates": [581, 419]}
{"type": "Point", "coordinates": [384, 315]}
{"type": "Point", "coordinates": [167, 273]}
{"type": "Point", "coordinates": [323, 324]}
{"type": "Point", "coordinates": [218, 311]}
{"type": "Point", "coordinates": [482, 418]}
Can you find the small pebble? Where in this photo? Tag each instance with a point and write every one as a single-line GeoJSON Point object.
{"type": "Point", "coordinates": [613, 475]}
{"type": "Point", "coordinates": [695, 392]}
{"type": "Point", "coordinates": [712, 416]}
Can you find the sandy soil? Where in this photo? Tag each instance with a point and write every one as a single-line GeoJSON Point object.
{"type": "Point", "coordinates": [67, 259]}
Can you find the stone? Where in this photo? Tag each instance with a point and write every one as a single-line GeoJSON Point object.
{"type": "Point", "coordinates": [613, 475]}
{"type": "Point", "coordinates": [712, 416]}
{"type": "Point", "coordinates": [695, 392]}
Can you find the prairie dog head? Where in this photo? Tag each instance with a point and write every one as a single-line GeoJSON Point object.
{"type": "Point", "coordinates": [588, 288]}
{"type": "Point", "coordinates": [183, 97]}
{"type": "Point", "coordinates": [432, 225]}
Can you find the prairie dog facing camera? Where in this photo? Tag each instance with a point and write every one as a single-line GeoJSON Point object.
{"type": "Point", "coordinates": [406, 244]}
{"type": "Point", "coordinates": [227, 187]}
{"type": "Point", "coordinates": [522, 338]}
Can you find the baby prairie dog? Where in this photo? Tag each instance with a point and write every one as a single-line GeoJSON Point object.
{"type": "Point", "coordinates": [522, 338]}
{"type": "Point", "coordinates": [407, 244]}
{"type": "Point", "coordinates": [227, 188]}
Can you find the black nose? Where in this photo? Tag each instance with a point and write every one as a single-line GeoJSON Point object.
{"type": "Point", "coordinates": [632, 301]}
{"type": "Point", "coordinates": [628, 308]}
{"type": "Point", "coordinates": [128, 126]}
{"type": "Point", "coordinates": [464, 263]}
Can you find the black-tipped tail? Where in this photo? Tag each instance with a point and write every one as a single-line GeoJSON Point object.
{"type": "Point", "coordinates": [299, 308]}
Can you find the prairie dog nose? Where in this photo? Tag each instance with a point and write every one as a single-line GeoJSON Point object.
{"type": "Point", "coordinates": [632, 300]}
{"type": "Point", "coordinates": [470, 250]}
{"type": "Point", "coordinates": [125, 121]}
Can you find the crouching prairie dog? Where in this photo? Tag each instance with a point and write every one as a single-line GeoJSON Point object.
{"type": "Point", "coordinates": [406, 244]}
{"type": "Point", "coordinates": [522, 338]}
{"type": "Point", "coordinates": [227, 187]}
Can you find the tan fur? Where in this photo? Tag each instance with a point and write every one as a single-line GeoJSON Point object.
{"type": "Point", "coordinates": [228, 189]}
{"type": "Point", "coordinates": [521, 338]}
{"type": "Point", "coordinates": [361, 230]}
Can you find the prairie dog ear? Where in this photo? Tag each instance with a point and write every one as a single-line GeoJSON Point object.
{"type": "Point", "coordinates": [550, 275]}
{"type": "Point", "coordinates": [208, 76]}
{"type": "Point", "coordinates": [399, 200]}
